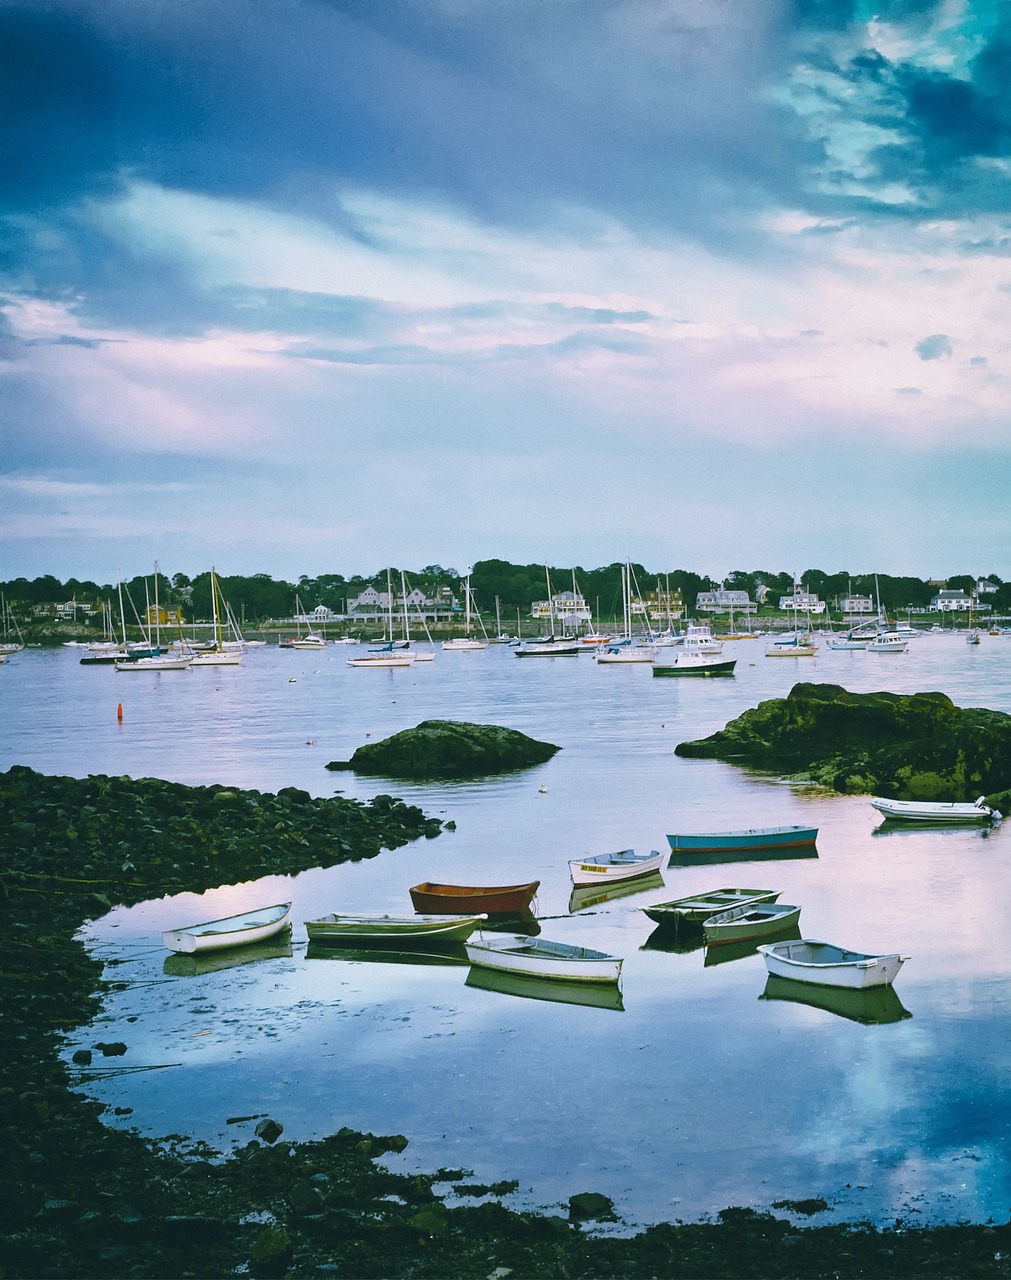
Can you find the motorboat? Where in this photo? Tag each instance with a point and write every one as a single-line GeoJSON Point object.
{"type": "Point", "coordinates": [936, 812]}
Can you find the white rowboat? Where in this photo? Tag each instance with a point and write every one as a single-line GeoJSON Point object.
{"type": "Point", "coordinates": [606, 868]}
{"type": "Point", "coordinates": [230, 931]}
{"type": "Point", "coordinates": [808, 960]}
{"type": "Point", "coordinates": [519, 953]}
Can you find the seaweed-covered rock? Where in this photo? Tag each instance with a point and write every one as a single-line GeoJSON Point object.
{"type": "Point", "coordinates": [906, 746]}
{"type": "Point", "coordinates": [448, 749]}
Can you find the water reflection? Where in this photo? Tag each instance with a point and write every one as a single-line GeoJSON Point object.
{"type": "Point", "coordinates": [593, 895]}
{"type": "Point", "coordinates": [681, 938]}
{"type": "Point", "coordinates": [871, 1006]}
{"type": "Point", "coordinates": [891, 827]}
{"type": "Point", "coordinates": [179, 965]}
{"type": "Point", "coordinates": [530, 987]}
{"type": "Point", "coordinates": [706, 859]}
{"type": "Point", "coordinates": [447, 954]}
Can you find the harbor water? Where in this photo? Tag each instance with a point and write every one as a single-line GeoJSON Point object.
{"type": "Point", "coordinates": [700, 1083]}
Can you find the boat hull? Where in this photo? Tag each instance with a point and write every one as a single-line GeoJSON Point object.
{"type": "Point", "coordinates": [826, 965]}
{"type": "Point", "coordinates": [458, 899]}
{"type": "Point", "coordinates": [358, 930]}
{"type": "Point", "coordinates": [695, 667]}
{"type": "Point", "coordinates": [791, 837]}
{"type": "Point", "coordinates": [230, 931]}
{"type": "Point", "coordinates": [603, 873]}
{"type": "Point", "coordinates": [537, 957]}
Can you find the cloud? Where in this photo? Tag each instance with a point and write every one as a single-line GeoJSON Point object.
{"type": "Point", "coordinates": [936, 347]}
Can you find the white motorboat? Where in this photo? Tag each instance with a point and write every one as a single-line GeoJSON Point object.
{"type": "Point", "coordinates": [157, 662]}
{"type": "Point", "coordinates": [887, 642]}
{"type": "Point", "coordinates": [520, 953]}
{"type": "Point", "coordinates": [230, 931]}
{"type": "Point", "coordinates": [606, 868]}
{"type": "Point", "coordinates": [932, 811]}
{"type": "Point", "coordinates": [686, 662]}
{"type": "Point", "coordinates": [808, 960]}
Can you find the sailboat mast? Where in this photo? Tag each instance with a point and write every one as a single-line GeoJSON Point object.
{"type": "Point", "coordinates": [157, 615]}
{"type": "Point", "coordinates": [403, 592]}
{"type": "Point", "coordinates": [551, 603]}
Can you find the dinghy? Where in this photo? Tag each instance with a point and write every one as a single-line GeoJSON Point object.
{"type": "Point", "coordinates": [230, 931]}
{"type": "Point", "coordinates": [827, 965]}
{"type": "Point", "coordinates": [518, 953]}
{"type": "Point", "coordinates": [698, 907]}
{"type": "Point", "coordinates": [756, 920]}
{"type": "Point", "coordinates": [366, 930]}
{"type": "Point", "coordinates": [607, 868]}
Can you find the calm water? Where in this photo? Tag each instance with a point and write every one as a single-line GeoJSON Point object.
{"type": "Point", "coordinates": [692, 1093]}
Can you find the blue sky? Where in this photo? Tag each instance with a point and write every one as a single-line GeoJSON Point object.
{"type": "Point", "coordinates": [311, 285]}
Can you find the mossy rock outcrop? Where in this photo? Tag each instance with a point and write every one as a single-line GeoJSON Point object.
{"type": "Point", "coordinates": [905, 746]}
{"type": "Point", "coordinates": [448, 749]}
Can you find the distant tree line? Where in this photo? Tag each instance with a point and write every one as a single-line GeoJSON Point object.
{"type": "Point", "coordinates": [259, 597]}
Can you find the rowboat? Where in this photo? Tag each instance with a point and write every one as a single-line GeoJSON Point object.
{"type": "Point", "coordinates": [463, 899]}
{"type": "Point", "coordinates": [754, 920]}
{"type": "Point", "coordinates": [518, 953]}
{"type": "Point", "coordinates": [364, 930]}
{"type": "Point", "coordinates": [608, 868]}
{"type": "Point", "coordinates": [230, 931]}
{"type": "Point", "coordinates": [871, 1006]}
{"type": "Point", "coordinates": [826, 965]}
{"type": "Point", "coordinates": [698, 907]}
{"type": "Point", "coordinates": [936, 812]}
{"type": "Point", "coordinates": [528, 986]}
{"type": "Point", "coordinates": [753, 838]}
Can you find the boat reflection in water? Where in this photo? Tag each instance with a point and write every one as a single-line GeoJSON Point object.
{"type": "Point", "coordinates": [869, 1005]}
{"type": "Point", "coordinates": [748, 947]}
{"type": "Point", "coordinates": [449, 953]}
{"type": "Point", "coordinates": [893, 827]}
{"type": "Point", "coordinates": [522, 922]}
{"type": "Point", "coordinates": [529, 986]}
{"type": "Point", "coordinates": [592, 895]}
{"type": "Point", "coordinates": [678, 939]}
{"type": "Point", "coordinates": [192, 964]}
{"type": "Point", "coordinates": [711, 858]}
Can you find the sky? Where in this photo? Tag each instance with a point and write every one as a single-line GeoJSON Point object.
{"type": "Point", "coordinates": [309, 286]}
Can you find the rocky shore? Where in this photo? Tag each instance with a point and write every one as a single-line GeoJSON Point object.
{"type": "Point", "coordinates": [83, 1200]}
{"type": "Point", "coordinates": [904, 746]}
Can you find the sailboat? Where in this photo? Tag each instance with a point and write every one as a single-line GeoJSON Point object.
{"type": "Point", "coordinates": [156, 661]}
{"type": "Point", "coordinates": [550, 646]}
{"type": "Point", "coordinates": [467, 641]}
{"type": "Point", "coordinates": [625, 651]}
{"type": "Point", "coordinates": [388, 654]}
{"type": "Point", "coordinates": [10, 645]}
{"type": "Point", "coordinates": [420, 655]}
{"type": "Point", "coordinates": [218, 655]}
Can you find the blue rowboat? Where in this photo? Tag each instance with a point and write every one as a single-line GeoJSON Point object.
{"type": "Point", "coordinates": [753, 838]}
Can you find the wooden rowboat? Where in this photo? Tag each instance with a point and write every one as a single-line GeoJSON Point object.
{"type": "Point", "coordinates": [606, 868]}
{"type": "Point", "coordinates": [342, 930]}
{"type": "Point", "coordinates": [463, 899]}
{"type": "Point", "coordinates": [698, 907]}
{"type": "Point", "coordinates": [755, 920]}
{"type": "Point", "coordinates": [519, 953]}
{"type": "Point", "coordinates": [230, 931]}
{"type": "Point", "coordinates": [827, 965]}
{"type": "Point", "coordinates": [789, 837]}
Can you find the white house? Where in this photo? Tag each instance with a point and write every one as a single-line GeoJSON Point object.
{"type": "Point", "coordinates": [856, 604]}
{"type": "Point", "coordinates": [802, 602]}
{"type": "Point", "coordinates": [951, 602]}
{"type": "Point", "coordinates": [568, 609]}
{"type": "Point", "coordinates": [722, 601]}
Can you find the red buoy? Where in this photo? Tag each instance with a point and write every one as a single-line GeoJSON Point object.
{"type": "Point", "coordinates": [119, 713]}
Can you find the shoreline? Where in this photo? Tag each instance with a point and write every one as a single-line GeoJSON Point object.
{"type": "Point", "coordinates": [82, 1199]}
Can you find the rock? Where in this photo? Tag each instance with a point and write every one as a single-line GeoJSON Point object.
{"type": "Point", "coordinates": [269, 1130]}
{"type": "Point", "coordinates": [114, 1050]}
{"type": "Point", "coordinates": [905, 746]}
{"type": "Point", "coordinates": [270, 1254]}
{"type": "Point", "coordinates": [448, 749]}
{"type": "Point", "coordinates": [590, 1206]}
{"type": "Point", "coordinates": [82, 1058]}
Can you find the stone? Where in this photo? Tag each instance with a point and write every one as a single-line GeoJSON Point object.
{"type": "Point", "coordinates": [269, 1130]}
{"type": "Point", "coordinates": [590, 1206]}
{"type": "Point", "coordinates": [270, 1254]}
{"type": "Point", "coordinates": [448, 749]}
{"type": "Point", "coordinates": [904, 746]}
